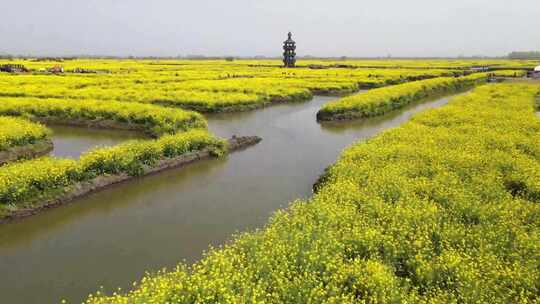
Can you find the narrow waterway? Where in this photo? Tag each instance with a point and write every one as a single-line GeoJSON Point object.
{"type": "Point", "coordinates": [71, 142]}
{"type": "Point", "coordinates": [112, 237]}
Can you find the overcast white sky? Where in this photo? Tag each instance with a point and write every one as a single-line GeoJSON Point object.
{"type": "Point", "coordinates": [258, 27]}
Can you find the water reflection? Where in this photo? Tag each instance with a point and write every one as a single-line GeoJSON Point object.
{"type": "Point", "coordinates": [71, 142]}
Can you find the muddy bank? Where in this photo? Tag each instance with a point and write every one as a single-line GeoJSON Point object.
{"type": "Point", "coordinates": [96, 124]}
{"type": "Point", "coordinates": [296, 98]}
{"type": "Point", "coordinates": [81, 189]}
{"type": "Point", "coordinates": [335, 93]}
{"type": "Point", "coordinates": [37, 149]}
{"type": "Point", "coordinates": [203, 108]}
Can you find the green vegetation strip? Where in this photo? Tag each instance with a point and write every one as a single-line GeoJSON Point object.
{"type": "Point", "coordinates": [28, 185]}
{"type": "Point", "coordinates": [444, 209]}
{"type": "Point", "coordinates": [380, 101]}
{"type": "Point", "coordinates": [152, 119]}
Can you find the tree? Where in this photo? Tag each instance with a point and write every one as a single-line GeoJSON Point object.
{"type": "Point", "coordinates": [524, 55]}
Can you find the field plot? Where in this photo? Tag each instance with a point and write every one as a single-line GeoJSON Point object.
{"type": "Point", "coordinates": [26, 186]}
{"type": "Point", "coordinates": [205, 87]}
{"type": "Point", "coordinates": [20, 138]}
{"type": "Point", "coordinates": [383, 100]}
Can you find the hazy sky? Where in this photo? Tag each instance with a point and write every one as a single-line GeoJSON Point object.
{"type": "Point", "coordinates": [258, 27]}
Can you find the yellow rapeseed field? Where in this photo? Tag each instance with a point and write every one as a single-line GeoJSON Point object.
{"type": "Point", "coordinates": [443, 209]}
{"type": "Point", "coordinates": [16, 132]}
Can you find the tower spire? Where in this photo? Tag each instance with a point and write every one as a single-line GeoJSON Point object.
{"type": "Point", "coordinates": [289, 52]}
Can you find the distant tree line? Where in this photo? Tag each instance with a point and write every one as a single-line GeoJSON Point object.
{"type": "Point", "coordinates": [524, 55]}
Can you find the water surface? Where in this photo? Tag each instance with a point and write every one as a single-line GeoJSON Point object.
{"type": "Point", "coordinates": [112, 237]}
{"type": "Point", "coordinates": [71, 142]}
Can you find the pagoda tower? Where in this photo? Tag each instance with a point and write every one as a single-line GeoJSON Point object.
{"type": "Point", "coordinates": [289, 52]}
